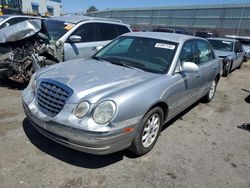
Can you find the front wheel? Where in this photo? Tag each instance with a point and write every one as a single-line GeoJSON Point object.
{"type": "Point", "coordinates": [210, 95]}
{"type": "Point", "coordinates": [148, 132]}
{"type": "Point", "coordinates": [227, 69]}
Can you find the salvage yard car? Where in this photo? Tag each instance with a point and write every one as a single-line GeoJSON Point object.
{"type": "Point", "coordinates": [9, 20]}
{"type": "Point", "coordinates": [122, 96]}
{"type": "Point", "coordinates": [245, 41]}
{"type": "Point", "coordinates": [29, 45]}
{"type": "Point", "coordinates": [231, 51]}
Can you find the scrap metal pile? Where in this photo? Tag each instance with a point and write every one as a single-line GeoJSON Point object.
{"type": "Point", "coordinates": [24, 48]}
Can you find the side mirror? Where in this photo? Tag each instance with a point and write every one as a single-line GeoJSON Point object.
{"type": "Point", "coordinates": [75, 38]}
{"type": "Point", "coordinates": [238, 50]}
{"type": "Point", "coordinates": [189, 67]}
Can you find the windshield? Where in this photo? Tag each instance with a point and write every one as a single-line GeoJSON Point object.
{"type": "Point", "coordinates": [148, 54]}
{"type": "Point", "coordinates": [56, 29]}
{"type": "Point", "coordinates": [222, 45]}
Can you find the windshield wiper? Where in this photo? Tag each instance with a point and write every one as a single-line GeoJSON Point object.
{"type": "Point", "coordinates": [121, 64]}
{"type": "Point", "coordinates": [112, 61]}
{"type": "Point", "coordinates": [97, 58]}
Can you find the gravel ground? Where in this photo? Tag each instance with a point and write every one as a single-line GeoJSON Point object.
{"type": "Point", "coordinates": [206, 146]}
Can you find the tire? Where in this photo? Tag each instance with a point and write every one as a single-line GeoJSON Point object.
{"type": "Point", "coordinates": [245, 58]}
{"type": "Point", "coordinates": [227, 70]}
{"type": "Point", "coordinates": [210, 95]}
{"type": "Point", "coordinates": [147, 134]}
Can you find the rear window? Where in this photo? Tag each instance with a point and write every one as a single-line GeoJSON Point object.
{"type": "Point", "coordinates": [107, 31]}
{"type": "Point", "coordinates": [122, 29]}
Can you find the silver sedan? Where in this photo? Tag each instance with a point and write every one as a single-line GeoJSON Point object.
{"type": "Point", "coordinates": [122, 96]}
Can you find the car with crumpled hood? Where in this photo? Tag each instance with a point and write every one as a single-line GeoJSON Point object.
{"type": "Point", "coordinates": [9, 20]}
{"type": "Point", "coordinates": [122, 96]}
{"type": "Point", "coordinates": [32, 44]}
{"type": "Point", "coordinates": [230, 51]}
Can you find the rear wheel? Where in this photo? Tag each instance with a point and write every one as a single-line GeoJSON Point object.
{"type": "Point", "coordinates": [210, 95]}
{"type": "Point", "coordinates": [148, 132]}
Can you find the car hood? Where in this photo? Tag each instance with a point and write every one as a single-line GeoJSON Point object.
{"type": "Point", "coordinates": [94, 79]}
{"type": "Point", "coordinates": [222, 54]}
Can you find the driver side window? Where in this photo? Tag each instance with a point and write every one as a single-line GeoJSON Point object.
{"type": "Point", "coordinates": [187, 52]}
{"type": "Point", "coordinates": [86, 32]}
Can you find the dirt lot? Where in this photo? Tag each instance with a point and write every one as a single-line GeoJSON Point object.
{"type": "Point", "coordinates": [206, 146]}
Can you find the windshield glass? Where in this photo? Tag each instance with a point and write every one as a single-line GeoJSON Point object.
{"type": "Point", "coordinates": [222, 45]}
{"type": "Point", "coordinates": [56, 29]}
{"type": "Point", "coordinates": [148, 54]}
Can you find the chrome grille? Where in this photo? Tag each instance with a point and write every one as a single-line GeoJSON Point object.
{"type": "Point", "coordinates": [51, 96]}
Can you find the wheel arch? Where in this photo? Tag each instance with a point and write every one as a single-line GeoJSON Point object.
{"type": "Point", "coordinates": [163, 106]}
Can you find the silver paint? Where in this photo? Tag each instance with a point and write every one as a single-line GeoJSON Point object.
{"type": "Point", "coordinates": [134, 91]}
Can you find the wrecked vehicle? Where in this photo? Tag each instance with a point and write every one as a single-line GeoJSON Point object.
{"type": "Point", "coordinates": [27, 46]}
{"type": "Point", "coordinates": [24, 48]}
{"type": "Point", "coordinates": [9, 20]}
{"type": "Point", "coordinates": [230, 51]}
{"type": "Point", "coordinates": [122, 96]}
{"type": "Point", "coordinates": [245, 41]}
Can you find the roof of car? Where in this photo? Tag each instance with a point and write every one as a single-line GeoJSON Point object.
{"type": "Point", "coordinates": [16, 15]}
{"type": "Point", "coordinates": [76, 19]}
{"type": "Point", "coordinates": [173, 37]}
{"type": "Point", "coordinates": [220, 38]}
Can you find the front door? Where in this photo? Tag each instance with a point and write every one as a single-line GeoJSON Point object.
{"type": "Point", "coordinates": [186, 86]}
{"type": "Point", "coordinates": [86, 47]}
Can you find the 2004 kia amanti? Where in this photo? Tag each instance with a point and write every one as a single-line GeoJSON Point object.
{"type": "Point", "coordinates": [121, 97]}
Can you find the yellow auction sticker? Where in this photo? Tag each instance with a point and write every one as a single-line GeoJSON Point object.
{"type": "Point", "coordinates": [68, 26]}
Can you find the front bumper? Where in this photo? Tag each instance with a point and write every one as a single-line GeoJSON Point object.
{"type": "Point", "coordinates": [98, 143]}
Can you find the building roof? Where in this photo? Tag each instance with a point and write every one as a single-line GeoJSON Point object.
{"type": "Point", "coordinates": [204, 6]}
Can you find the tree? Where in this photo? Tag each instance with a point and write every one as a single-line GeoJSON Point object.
{"type": "Point", "coordinates": [92, 9]}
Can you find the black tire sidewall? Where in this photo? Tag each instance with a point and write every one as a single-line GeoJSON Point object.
{"type": "Point", "coordinates": [137, 142]}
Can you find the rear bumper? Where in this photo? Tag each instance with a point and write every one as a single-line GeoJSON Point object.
{"type": "Point", "coordinates": [98, 143]}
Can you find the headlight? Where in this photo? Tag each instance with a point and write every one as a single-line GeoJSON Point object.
{"type": "Point", "coordinates": [81, 109]}
{"type": "Point", "coordinates": [32, 83]}
{"type": "Point", "coordinates": [104, 112]}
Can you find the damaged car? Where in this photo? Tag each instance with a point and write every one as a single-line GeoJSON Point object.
{"type": "Point", "coordinates": [9, 20]}
{"type": "Point", "coordinates": [122, 96]}
{"type": "Point", "coordinates": [29, 45]}
{"type": "Point", "coordinates": [230, 51]}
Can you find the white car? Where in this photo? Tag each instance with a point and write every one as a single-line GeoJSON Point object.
{"type": "Point", "coordinates": [9, 20]}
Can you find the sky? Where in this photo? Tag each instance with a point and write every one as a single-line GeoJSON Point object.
{"type": "Point", "coordinates": [81, 5]}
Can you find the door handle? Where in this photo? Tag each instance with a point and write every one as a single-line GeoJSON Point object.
{"type": "Point", "coordinates": [214, 67]}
